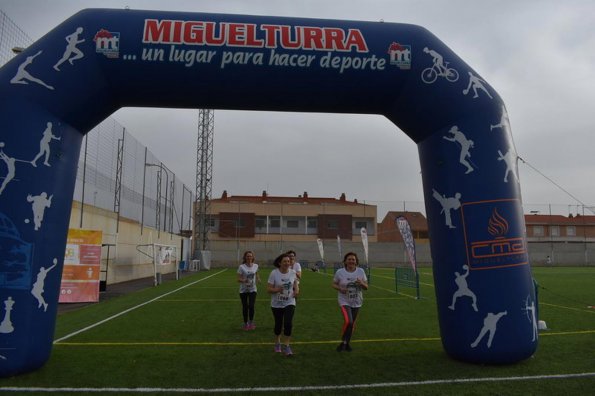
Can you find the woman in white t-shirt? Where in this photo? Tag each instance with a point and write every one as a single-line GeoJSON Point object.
{"type": "Point", "coordinates": [283, 287]}
{"type": "Point", "coordinates": [294, 265]}
{"type": "Point", "coordinates": [349, 282]}
{"type": "Point", "coordinates": [247, 278]}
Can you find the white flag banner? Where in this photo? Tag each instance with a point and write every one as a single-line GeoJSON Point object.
{"type": "Point", "coordinates": [339, 247]}
{"type": "Point", "coordinates": [405, 229]}
{"type": "Point", "coordinates": [320, 248]}
{"type": "Point", "coordinates": [364, 235]}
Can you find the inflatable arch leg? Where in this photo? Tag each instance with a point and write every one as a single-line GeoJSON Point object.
{"type": "Point", "coordinates": [101, 60]}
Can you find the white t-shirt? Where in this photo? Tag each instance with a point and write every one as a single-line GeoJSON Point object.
{"type": "Point", "coordinates": [286, 297]}
{"type": "Point", "coordinates": [297, 267]}
{"type": "Point", "coordinates": [354, 296]}
{"type": "Point", "coordinates": [249, 273]}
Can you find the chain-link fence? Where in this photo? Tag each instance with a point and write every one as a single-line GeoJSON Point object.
{"type": "Point", "coordinates": [109, 153]}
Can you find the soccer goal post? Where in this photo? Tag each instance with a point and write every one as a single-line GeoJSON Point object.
{"type": "Point", "coordinates": [165, 261]}
{"type": "Point", "coordinates": [407, 277]}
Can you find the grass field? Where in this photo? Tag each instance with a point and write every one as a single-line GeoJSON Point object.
{"type": "Point", "coordinates": [186, 336]}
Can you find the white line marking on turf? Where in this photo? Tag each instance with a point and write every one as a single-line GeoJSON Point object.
{"type": "Point", "coordinates": [133, 308]}
{"type": "Point", "coordinates": [301, 388]}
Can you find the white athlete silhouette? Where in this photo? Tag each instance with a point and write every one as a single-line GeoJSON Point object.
{"type": "Point", "coordinates": [533, 318]}
{"type": "Point", "coordinates": [510, 159]}
{"type": "Point", "coordinates": [448, 204]}
{"type": "Point", "coordinates": [436, 58]}
{"type": "Point", "coordinates": [439, 69]}
{"type": "Point", "coordinates": [40, 202]}
{"type": "Point", "coordinates": [72, 40]}
{"type": "Point", "coordinates": [463, 289]}
{"type": "Point", "coordinates": [475, 83]}
{"type": "Point", "coordinates": [38, 286]}
{"type": "Point", "coordinates": [504, 120]}
{"type": "Point", "coordinates": [466, 144]}
{"type": "Point", "coordinates": [44, 145]}
{"type": "Point", "coordinates": [489, 325]}
{"type": "Point", "coordinates": [9, 166]}
{"type": "Point", "coordinates": [23, 76]}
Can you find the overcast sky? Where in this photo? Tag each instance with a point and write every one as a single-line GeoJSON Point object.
{"type": "Point", "coordinates": [539, 55]}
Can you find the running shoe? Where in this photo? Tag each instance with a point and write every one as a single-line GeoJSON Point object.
{"type": "Point", "coordinates": [288, 351]}
{"type": "Point", "coordinates": [251, 326]}
{"type": "Point", "coordinates": [348, 348]}
{"type": "Point", "coordinates": [341, 347]}
{"type": "Point", "coordinates": [277, 348]}
{"type": "Point", "coordinates": [246, 327]}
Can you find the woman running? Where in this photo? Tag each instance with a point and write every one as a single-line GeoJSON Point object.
{"type": "Point", "coordinates": [247, 277]}
{"type": "Point", "coordinates": [349, 281]}
{"type": "Point", "coordinates": [283, 286]}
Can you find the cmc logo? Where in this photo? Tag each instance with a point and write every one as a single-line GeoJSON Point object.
{"type": "Point", "coordinates": [107, 43]}
{"type": "Point", "coordinates": [493, 237]}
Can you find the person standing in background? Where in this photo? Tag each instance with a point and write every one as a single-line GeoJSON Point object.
{"type": "Point", "coordinates": [297, 267]}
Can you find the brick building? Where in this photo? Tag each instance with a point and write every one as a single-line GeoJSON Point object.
{"type": "Point", "coordinates": [557, 228]}
{"type": "Point", "coordinates": [300, 219]}
{"type": "Point", "coordinates": [388, 231]}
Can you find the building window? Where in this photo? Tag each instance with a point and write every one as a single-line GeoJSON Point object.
{"type": "Point", "coordinates": [555, 231]}
{"type": "Point", "coordinates": [361, 224]}
{"type": "Point", "coordinates": [538, 231]}
{"type": "Point", "coordinates": [260, 222]}
{"type": "Point", "coordinates": [332, 225]}
{"type": "Point", "coordinates": [293, 224]}
{"type": "Point", "coordinates": [312, 223]}
{"type": "Point", "coordinates": [275, 222]}
{"type": "Point", "coordinates": [571, 231]}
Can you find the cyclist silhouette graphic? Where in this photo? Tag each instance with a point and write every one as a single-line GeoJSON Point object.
{"type": "Point", "coordinates": [438, 69]}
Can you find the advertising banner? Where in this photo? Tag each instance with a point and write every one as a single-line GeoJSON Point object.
{"type": "Point", "coordinates": [405, 229]}
{"type": "Point", "coordinates": [364, 235]}
{"type": "Point", "coordinates": [82, 265]}
{"type": "Point", "coordinates": [320, 248]}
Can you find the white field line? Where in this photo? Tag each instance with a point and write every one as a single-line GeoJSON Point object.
{"type": "Point", "coordinates": [302, 388]}
{"type": "Point", "coordinates": [133, 308]}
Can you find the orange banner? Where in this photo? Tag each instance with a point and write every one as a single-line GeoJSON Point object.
{"type": "Point", "coordinates": [82, 266]}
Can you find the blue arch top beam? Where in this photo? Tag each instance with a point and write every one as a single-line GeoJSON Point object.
{"type": "Point", "coordinates": [100, 60]}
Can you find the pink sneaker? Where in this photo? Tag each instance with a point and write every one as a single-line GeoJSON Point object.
{"type": "Point", "coordinates": [246, 327]}
{"type": "Point", "coordinates": [251, 326]}
{"type": "Point", "coordinates": [277, 348]}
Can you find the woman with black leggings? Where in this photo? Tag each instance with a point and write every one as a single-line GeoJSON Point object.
{"type": "Point", "coordinates": [283, 287]}
{"type": "Point", "coordinates": [247, 278]}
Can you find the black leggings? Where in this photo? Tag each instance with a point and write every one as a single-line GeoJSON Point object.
{"type": "Point", "coordinates": [248, 300]}
{"type": "Point", "coordinates": [349, 316]}
{"type": "Point", "coordinates": [283, 320]}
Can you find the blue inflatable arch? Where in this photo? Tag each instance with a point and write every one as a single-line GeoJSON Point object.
{"type": "Point", "coordinates": [100, 60]}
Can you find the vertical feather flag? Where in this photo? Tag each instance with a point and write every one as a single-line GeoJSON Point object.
{"type": "Point", "coordinates": [364, 235]}
{"type": "Point", "coordinates": [405, 229]}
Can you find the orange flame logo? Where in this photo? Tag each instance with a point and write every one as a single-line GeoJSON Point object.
{"type": "Point", "coordinates": [497, 226]}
